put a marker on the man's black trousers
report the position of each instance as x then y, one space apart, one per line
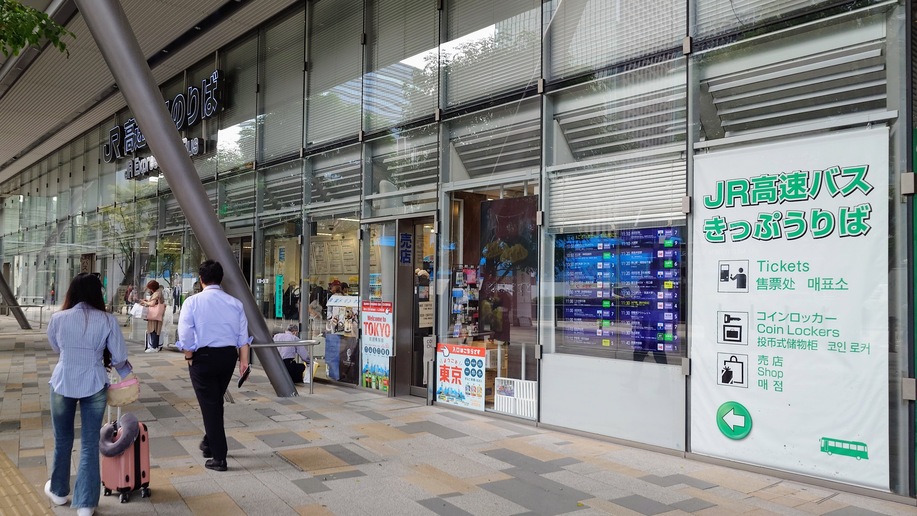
211 370
295 369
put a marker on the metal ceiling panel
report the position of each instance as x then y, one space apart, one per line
56 89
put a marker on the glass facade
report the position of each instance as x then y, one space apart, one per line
531 199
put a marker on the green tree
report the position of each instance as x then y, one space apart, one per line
121 226
168 259
22 26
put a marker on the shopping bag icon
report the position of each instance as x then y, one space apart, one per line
733 372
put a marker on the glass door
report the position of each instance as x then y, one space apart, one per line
242 250
493 243
424 340
397 311
377 316
334 264
281 299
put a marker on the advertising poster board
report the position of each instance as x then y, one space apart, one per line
318 255
424 313
349 257
336 256
790 308
378 343
342 350
460 375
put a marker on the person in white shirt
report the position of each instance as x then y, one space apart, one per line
213 333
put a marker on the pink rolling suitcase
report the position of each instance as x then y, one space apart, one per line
129 471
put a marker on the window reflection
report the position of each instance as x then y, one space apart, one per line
237 133
400 81
335 67
405 162
492 47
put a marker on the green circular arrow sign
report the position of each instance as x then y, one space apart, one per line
733 420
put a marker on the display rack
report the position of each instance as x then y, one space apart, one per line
463 321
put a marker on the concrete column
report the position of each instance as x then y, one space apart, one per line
115 38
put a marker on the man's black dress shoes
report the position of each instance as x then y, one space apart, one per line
216 465
206 449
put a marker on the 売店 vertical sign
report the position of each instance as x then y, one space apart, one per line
405 249
790 306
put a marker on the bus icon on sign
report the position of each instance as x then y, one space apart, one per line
853 449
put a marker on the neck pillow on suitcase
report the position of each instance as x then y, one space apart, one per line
112 445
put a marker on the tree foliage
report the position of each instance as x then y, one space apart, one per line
121 227
22 26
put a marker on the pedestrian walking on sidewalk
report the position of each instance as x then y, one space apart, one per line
90 342
176 298
213 333
154 319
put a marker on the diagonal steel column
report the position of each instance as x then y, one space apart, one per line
115 38
10 300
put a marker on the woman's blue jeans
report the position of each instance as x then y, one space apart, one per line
88 479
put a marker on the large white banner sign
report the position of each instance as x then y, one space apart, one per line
789 324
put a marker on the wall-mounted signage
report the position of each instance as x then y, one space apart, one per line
199 104
141 167
405 248
278 296
186 109
789 354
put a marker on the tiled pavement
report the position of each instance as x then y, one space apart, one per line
347 451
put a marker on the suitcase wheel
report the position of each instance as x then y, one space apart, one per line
145 492
125 497
107 492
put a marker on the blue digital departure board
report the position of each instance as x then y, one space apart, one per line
621 289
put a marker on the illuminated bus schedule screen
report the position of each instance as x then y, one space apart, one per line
620 289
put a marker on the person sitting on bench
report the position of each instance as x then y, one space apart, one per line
288 353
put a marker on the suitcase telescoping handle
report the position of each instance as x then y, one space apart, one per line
114 379
117 419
